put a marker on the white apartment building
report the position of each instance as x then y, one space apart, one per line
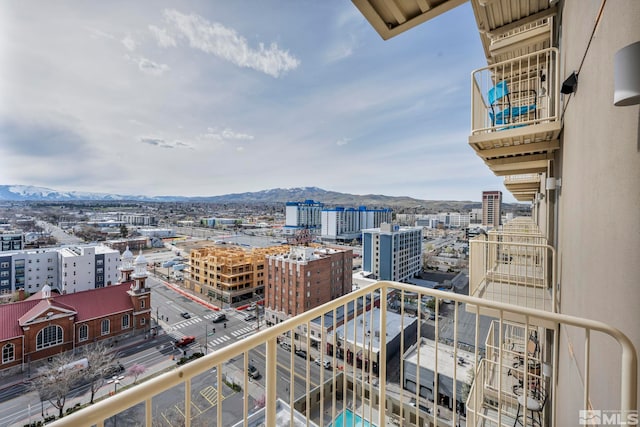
136 219
29 270
157 232
87 267
68 269
347 223
392 252
301 215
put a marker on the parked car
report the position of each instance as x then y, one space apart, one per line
186 315
219 317
253 372
185 341
301 353
285 345
323 362
113 370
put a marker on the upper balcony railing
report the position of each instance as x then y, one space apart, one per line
514 267
515 112
378 351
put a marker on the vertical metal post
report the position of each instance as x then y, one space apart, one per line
187 402
382 360
270 382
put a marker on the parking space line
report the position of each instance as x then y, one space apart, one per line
200 411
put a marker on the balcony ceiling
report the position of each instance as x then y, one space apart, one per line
532 163
392 17
496 18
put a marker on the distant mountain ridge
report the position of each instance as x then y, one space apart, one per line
17 193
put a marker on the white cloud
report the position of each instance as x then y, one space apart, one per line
343 141
148 66
163 38
227 134
95 33
225 43
129 43
162 143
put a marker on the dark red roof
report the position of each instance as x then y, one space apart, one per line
94 303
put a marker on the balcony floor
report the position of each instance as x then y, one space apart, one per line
523 296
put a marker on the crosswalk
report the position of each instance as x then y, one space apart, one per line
187 322
243 332
219 340
215 339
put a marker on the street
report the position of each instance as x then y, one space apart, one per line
157 353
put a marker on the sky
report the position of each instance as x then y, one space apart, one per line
206 98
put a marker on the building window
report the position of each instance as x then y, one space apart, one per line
4 265
143 321
141 303
49 336
83 333
8 353
125 321
104 327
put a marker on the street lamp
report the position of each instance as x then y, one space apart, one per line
115 380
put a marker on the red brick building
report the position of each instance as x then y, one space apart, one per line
47 323
305 278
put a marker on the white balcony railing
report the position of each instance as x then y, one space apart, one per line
501 376
520 92
363 336
514 268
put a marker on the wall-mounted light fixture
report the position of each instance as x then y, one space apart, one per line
570 84
627 76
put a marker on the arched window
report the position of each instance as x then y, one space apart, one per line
125 321
8 353
105 327
49 336
83 333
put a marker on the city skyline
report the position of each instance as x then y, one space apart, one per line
205 99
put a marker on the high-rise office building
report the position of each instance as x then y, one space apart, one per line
302 215
346 224
491 208
392 252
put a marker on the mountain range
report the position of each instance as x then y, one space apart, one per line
17 193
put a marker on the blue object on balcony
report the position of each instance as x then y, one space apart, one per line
348 418
502 112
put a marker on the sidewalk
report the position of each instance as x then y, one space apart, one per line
9 381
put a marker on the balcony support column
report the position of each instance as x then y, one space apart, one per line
382 360
270 383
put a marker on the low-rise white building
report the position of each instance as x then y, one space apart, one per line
452 363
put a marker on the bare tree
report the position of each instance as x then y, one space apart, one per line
57 379
101 363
